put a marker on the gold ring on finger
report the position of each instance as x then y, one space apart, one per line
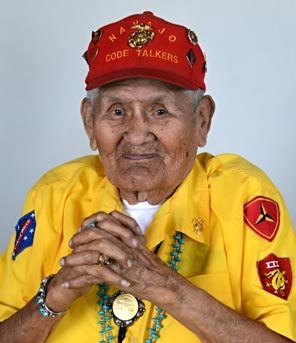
103 260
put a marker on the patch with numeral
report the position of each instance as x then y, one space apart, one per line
263 216
276 275
25 231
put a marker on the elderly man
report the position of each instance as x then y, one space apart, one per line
171 247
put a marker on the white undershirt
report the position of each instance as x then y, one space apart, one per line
142 212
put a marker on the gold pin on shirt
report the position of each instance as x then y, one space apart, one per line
198 225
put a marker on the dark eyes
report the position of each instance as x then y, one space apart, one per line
157 111
118 112
161 111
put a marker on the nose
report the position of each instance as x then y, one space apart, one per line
138 129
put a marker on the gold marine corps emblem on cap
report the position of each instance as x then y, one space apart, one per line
141 37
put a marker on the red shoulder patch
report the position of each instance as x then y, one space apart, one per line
276 275
263 216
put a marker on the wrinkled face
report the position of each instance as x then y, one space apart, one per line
146 134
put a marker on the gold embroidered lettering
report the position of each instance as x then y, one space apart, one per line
112 37
164 55
121 30
116 55
158 53
172 38
161 31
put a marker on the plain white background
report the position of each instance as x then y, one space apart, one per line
251 53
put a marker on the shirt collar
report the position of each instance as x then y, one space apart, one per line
187 210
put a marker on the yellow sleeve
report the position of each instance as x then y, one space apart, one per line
60 200
269 243
260 243
20 277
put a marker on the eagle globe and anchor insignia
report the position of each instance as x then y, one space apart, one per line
141 37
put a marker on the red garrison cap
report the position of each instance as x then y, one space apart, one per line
145 46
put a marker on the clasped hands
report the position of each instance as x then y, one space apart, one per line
134 268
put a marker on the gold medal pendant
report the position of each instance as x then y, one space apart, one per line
126 308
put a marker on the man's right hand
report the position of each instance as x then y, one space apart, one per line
88 244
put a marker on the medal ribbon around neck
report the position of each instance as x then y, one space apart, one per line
125 309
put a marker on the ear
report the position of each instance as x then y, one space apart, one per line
88 121
204 114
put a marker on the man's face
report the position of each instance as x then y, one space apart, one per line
146 134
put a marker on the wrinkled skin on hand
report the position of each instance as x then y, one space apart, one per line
134 269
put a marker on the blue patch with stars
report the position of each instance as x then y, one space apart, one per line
25 230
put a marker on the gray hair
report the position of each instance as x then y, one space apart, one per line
194 95
92 96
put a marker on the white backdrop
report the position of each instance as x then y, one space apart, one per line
251 53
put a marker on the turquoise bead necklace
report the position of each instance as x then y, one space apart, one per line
104 314
104 308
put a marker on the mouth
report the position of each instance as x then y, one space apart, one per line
139 157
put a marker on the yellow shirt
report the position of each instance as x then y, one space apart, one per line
220 258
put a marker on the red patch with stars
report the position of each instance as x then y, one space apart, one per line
263 216
276 275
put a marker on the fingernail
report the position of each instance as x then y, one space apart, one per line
79 229
125 283
66 285
70 243
129 263
139 229
134 242
62 261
